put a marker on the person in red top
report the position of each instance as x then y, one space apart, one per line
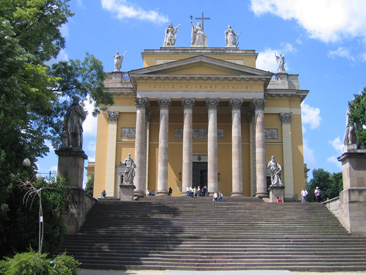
279 199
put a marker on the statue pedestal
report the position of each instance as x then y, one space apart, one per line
353 197
71 165
126 192
276 191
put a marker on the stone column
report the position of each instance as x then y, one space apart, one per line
212 165
163 146
260 149
110 173
187 145
140 146
237 167
288 172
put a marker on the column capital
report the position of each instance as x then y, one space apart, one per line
188 102
235 103
212 103
286 117
141 102
113 116
259 104
164 103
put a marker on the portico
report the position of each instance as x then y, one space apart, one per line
209 105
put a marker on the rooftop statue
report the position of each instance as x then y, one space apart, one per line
198 37
118 62
281 63
170 35
275 170
231 38
73 125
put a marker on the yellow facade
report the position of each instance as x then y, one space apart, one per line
200 74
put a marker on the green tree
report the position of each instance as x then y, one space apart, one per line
33 96
89 188
357 115
330 184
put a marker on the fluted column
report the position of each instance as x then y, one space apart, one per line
164 104
260 148
140 146
237 167
187 144
212 165
288 174
111 154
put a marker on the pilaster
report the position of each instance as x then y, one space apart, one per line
288 171
111 154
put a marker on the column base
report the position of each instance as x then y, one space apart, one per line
161 193
139 193
261 195
237 194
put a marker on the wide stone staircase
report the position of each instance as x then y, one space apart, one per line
198 234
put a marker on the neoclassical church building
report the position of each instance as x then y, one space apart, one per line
201 116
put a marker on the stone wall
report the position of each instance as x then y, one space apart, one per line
334 206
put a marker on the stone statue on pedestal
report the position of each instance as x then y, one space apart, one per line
118 59
231 37
275 170
72 134
281 63
350 137
129 173
170 35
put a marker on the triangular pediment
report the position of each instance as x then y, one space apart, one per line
199 66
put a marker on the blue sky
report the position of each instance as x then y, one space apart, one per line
322 41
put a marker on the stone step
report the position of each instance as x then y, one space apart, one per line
197 234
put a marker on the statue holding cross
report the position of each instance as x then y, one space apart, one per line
198 37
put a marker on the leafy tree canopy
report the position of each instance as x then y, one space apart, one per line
357 109
33 96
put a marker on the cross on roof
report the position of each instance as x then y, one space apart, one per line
203 18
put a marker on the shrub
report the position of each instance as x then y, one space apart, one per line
38 264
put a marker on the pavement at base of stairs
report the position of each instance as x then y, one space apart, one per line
189 272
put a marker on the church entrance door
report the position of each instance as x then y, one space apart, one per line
199 174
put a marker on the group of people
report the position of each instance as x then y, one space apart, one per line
197 192
218 196
317 193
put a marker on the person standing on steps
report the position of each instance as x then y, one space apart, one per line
318 194
304 195
221 196
215 197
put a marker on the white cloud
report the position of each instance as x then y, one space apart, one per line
91 122
309 157
48 143
122 9
326 20
267 60
91 159
337 144
310 116
334 160
91 146
342 52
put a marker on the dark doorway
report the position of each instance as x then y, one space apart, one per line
199 174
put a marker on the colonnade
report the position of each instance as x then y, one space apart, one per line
212 104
